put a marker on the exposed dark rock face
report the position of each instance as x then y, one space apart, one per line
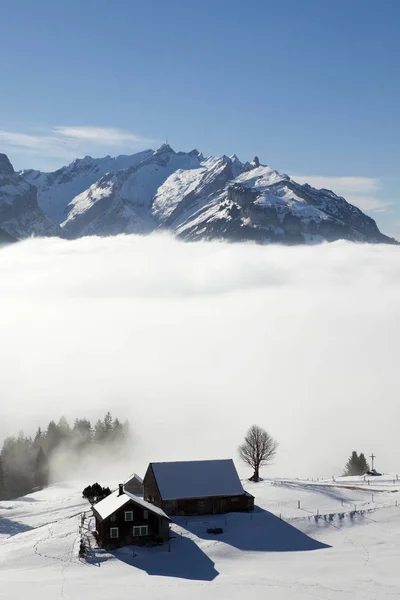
20 216
6 238
6 167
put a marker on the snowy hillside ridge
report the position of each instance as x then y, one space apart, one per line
121 202
20 216
195 198
57 189
304 540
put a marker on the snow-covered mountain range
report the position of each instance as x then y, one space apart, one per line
20 215
192 196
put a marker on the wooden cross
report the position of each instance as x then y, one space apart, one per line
372 458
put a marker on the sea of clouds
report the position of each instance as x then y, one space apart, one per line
195 342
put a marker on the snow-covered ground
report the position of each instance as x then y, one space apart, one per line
343 542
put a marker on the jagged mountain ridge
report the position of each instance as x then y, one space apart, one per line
58 188
121 202
20 215
195 198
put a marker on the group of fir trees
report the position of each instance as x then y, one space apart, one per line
95 493
356 465
25 461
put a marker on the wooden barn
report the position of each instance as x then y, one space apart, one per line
123 518
196 487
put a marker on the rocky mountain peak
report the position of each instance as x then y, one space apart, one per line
6 167
164 149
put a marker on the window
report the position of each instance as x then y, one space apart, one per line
145 514
129 515
113 518
114 532
140 531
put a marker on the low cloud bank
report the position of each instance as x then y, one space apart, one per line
195 342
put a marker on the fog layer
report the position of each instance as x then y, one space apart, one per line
195 342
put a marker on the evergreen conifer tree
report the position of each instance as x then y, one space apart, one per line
363 465
37 440
41 469
356 465
2 482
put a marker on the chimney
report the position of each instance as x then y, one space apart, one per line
121 489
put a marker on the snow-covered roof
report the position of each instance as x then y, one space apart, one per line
197 479
133 476
114 501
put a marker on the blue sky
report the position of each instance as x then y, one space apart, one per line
310 86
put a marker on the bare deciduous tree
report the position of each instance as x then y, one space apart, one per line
257 450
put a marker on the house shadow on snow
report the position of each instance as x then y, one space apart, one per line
185 560
9 527
259 531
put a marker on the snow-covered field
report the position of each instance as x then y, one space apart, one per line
350 550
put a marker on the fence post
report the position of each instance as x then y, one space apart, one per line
372 497
298 504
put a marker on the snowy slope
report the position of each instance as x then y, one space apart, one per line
186 192
264 205
57 189
121 202
342 553
195 198
20 216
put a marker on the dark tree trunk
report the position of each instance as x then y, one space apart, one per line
256 474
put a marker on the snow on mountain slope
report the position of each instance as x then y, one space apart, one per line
264 205
195 198
121 202
341 554
100 210
57 189
20 216
192 188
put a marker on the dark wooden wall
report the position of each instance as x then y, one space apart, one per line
151 493
209 506
158 526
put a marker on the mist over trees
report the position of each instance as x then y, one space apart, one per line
356 465
25 462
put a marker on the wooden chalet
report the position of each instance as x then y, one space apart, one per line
196 487
123 519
